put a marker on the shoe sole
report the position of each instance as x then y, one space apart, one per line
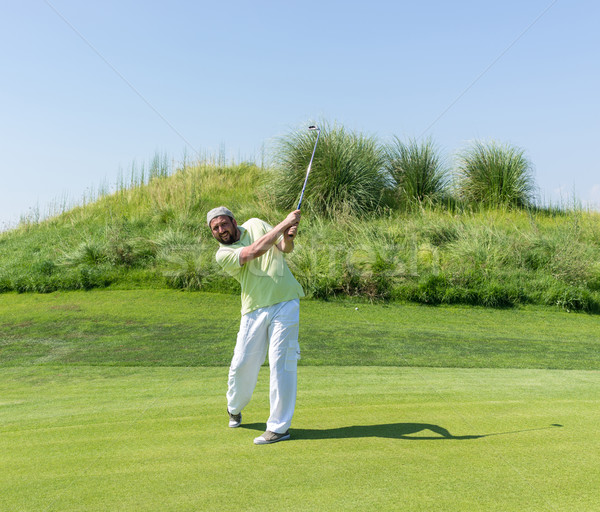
261 440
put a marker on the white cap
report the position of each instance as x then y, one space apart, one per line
217 212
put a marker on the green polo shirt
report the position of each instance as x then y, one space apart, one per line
265 280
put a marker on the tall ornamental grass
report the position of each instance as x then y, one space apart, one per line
418 171
491 174
347 172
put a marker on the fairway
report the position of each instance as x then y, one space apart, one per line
115 400
93 438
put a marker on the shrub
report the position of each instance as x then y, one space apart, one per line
93 277
125 249
90 252
171 240
45 267
195 268
491 175
347 173
571 298
441 234
483 249
538 253
417 170
319 268
6 284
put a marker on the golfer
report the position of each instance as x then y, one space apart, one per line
253 254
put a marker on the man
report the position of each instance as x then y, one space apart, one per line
253 253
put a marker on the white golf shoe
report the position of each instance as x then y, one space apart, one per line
272 437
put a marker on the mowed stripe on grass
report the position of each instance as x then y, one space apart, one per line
418 439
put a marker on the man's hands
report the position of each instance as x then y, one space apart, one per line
293 219
291 229
292 232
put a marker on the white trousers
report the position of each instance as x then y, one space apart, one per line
274 328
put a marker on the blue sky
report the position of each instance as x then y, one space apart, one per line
91 87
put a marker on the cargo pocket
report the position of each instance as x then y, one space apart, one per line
291 358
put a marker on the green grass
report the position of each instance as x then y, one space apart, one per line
416 439
170 328
154 235
115 400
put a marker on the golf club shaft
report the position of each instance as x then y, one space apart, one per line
309 165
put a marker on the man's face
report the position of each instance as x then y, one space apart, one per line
224 229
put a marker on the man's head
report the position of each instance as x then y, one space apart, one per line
223 225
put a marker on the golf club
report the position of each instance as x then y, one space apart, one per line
313 127
310 164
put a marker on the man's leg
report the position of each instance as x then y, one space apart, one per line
249 354
284 352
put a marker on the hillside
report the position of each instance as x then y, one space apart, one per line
151 233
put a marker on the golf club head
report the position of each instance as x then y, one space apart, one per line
313 127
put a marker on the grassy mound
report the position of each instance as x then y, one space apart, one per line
153 234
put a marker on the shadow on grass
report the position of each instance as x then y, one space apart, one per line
406 431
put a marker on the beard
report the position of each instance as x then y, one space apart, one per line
227 238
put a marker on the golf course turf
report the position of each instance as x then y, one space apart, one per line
114 400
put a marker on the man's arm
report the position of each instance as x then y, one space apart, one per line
265 242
